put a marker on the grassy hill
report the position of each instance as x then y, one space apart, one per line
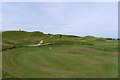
69 57
17 38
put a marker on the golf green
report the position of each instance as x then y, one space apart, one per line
59 61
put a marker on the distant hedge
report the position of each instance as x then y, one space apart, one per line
101 39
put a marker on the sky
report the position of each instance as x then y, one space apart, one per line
98 19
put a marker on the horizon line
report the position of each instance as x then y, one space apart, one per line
57 33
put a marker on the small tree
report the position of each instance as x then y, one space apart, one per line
60 36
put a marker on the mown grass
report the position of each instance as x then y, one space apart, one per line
69 57
61 61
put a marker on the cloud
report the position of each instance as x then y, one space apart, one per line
81 18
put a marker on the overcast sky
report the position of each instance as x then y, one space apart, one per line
76 18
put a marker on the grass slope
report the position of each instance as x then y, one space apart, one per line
70 57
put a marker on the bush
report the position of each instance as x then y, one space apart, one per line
109 38
73 36
100 39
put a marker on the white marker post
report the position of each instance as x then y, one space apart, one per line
50 48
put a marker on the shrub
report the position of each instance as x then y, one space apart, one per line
100 39
109 38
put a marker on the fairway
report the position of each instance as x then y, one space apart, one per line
62 61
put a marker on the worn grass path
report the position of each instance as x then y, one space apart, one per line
60 62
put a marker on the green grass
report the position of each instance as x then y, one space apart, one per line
70 57
61 61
